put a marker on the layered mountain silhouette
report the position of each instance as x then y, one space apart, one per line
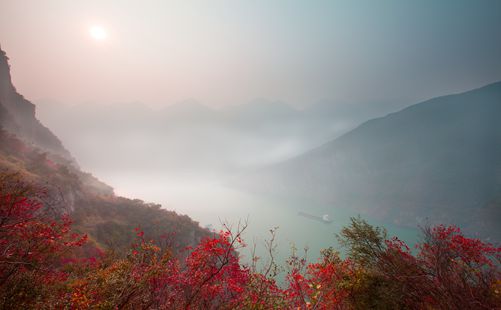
191 137
436 161
439 159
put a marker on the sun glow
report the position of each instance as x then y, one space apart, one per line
98 33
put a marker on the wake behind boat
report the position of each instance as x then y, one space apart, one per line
324 218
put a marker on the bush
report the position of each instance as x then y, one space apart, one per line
42 265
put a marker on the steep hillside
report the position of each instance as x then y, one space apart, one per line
18 115
33 152
440 159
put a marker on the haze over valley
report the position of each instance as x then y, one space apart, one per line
435 161
302 117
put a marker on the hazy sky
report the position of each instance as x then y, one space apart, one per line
227 52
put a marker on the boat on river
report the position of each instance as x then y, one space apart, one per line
321 218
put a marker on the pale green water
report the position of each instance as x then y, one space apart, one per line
212 203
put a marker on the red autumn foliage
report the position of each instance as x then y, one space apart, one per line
32 241
39 269
461 271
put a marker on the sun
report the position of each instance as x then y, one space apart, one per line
98 33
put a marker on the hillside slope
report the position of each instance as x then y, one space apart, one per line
439 159
29 149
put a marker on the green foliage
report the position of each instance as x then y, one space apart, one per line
364 242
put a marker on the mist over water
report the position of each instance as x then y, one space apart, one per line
265 161
188 157
250 154
212 203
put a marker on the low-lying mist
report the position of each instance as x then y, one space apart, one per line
186 157
190 138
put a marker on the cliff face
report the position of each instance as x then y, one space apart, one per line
17 115
32 151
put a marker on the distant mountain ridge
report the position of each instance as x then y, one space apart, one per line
439 159
189 137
